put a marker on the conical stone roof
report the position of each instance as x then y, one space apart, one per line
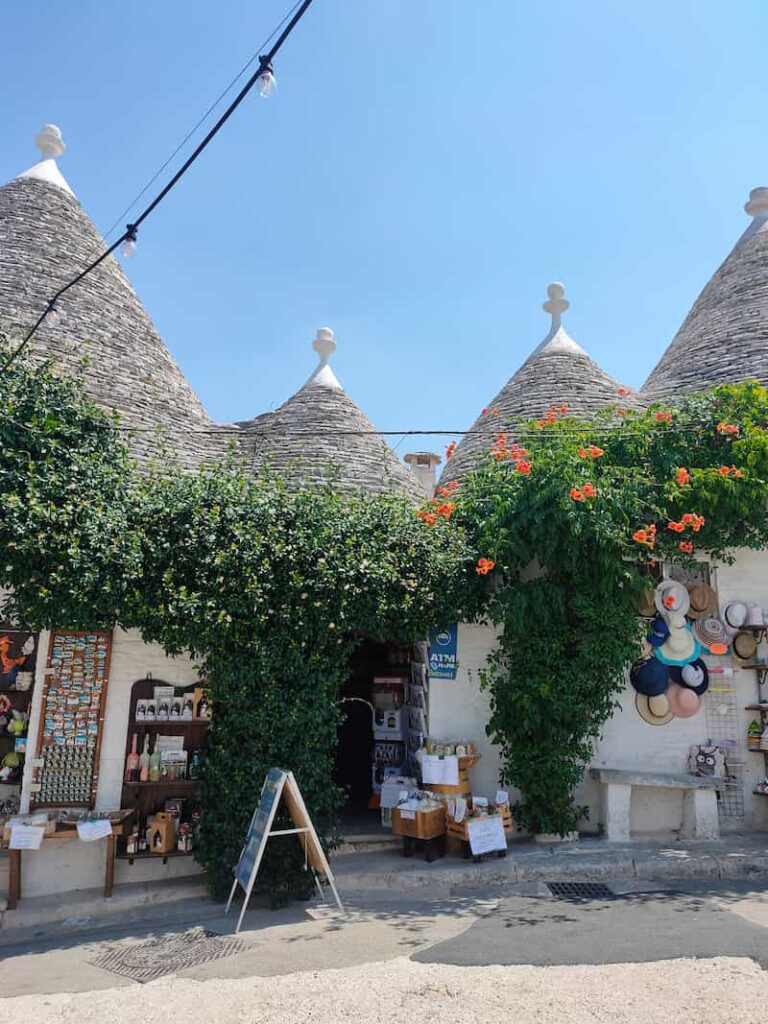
724 338
321 433
46 238
557 372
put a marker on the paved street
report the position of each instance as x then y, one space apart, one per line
695 951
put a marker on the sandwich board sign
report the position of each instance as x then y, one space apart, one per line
278 784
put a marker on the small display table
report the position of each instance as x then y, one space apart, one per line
69 831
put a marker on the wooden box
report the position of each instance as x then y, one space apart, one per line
162 833
423 824
458 829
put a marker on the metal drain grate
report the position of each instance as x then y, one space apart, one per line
575 891
146 961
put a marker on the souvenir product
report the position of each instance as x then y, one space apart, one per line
646 605
735 615
707 760
144 761
744 646
680 647
756 616
754 732
186 708
712 634
703 601
653 710
658 633
649 677
132 762
683 703
694 676
176 705
163 705
671 596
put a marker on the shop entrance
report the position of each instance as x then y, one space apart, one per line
379 675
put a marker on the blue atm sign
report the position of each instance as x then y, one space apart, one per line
443 650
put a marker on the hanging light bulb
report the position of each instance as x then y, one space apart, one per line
128 247
267 83
52 315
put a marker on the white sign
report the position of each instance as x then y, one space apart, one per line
407 815
486 835
90 831
440 770
25 837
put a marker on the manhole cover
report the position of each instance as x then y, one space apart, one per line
580 891
168 954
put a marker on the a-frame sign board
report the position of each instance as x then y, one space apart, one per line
279 783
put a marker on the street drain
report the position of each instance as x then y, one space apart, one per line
576 891
168 954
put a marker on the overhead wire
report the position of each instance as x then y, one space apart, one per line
265 65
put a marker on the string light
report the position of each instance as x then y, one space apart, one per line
267 82
52 315
264 69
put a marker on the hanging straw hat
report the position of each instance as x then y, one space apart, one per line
703 601
683 703
735 615
646 605
671 596
680 648
744 646
653 710
712 634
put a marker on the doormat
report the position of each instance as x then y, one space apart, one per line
577 891
168 954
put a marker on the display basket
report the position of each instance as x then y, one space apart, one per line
423 824
458 829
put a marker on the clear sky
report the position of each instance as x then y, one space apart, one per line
425 168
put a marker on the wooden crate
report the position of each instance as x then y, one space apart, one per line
458 829
424 824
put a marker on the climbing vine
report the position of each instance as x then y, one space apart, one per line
571 517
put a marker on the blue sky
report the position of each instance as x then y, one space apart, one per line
425 168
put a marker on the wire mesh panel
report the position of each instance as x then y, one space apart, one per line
723 730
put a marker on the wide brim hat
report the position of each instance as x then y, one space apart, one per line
703 600
711 633
680 648
646 604
649 677
653 710
683 702
671 596
693 676
735 615
744 646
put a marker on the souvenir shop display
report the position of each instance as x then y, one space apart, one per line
165 750
18 652
462 817
66 768
420 818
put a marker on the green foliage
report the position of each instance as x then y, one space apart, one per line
65 502
569 566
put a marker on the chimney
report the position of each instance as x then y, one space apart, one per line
424 465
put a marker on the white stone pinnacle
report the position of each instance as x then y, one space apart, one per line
325 345
556 304
49 141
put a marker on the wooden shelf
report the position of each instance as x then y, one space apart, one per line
163 782
756 707
148 855
759 792
171 721
756 750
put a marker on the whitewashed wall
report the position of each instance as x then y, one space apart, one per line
64 866
459 709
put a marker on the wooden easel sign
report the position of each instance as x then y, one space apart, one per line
279 783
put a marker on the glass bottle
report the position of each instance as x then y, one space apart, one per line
132 762
154 764
144 761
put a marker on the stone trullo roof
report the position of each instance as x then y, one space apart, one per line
320 432
45 239
557 372
724 338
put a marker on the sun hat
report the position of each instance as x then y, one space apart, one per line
694 676
680 648
735 615
658 632
712 634
653 710
646 605
649 677
744 646
671 596
683 703
703 600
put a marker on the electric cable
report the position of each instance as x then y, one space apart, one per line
129 235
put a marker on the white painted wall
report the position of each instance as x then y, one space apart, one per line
63 866
459 710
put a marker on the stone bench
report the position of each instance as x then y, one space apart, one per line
700 820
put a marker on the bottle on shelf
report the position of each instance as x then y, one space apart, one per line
132 762
144 761
154 764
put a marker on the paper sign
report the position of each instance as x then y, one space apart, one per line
25 837
90 831
443 646
480 801
408 815
486 835
502 797
440 770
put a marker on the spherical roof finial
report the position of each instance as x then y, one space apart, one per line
324 343
757 204
556 304
49 141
